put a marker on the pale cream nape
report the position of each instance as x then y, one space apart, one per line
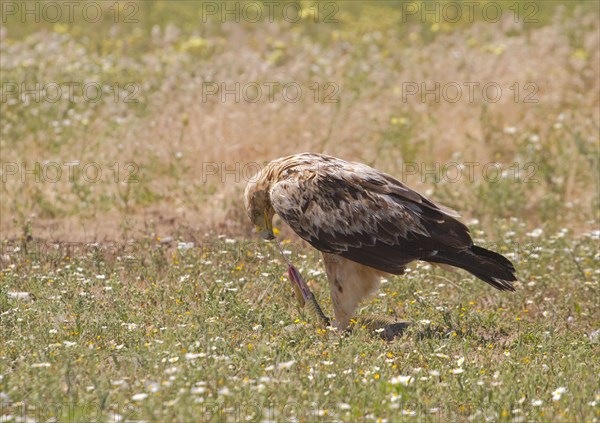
349 284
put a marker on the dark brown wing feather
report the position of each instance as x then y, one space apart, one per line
364 215
367 216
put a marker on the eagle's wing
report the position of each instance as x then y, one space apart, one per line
365 215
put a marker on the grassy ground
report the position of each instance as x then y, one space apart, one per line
143 294
160 331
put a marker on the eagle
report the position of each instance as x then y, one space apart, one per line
366 223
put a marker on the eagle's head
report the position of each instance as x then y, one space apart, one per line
258 203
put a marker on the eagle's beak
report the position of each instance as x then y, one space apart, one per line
267 232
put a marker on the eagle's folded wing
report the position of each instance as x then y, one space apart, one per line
365 215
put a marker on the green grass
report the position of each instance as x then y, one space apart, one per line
201 333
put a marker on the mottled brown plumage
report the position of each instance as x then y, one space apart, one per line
366 223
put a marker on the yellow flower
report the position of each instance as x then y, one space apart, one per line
61 28
580 54
194 45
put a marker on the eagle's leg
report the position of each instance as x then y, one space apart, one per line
349 284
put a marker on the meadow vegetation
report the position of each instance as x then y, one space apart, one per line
143 294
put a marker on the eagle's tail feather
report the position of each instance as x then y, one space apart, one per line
487 265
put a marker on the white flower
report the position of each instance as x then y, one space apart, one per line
536 233
152 386
198 390
224 391
286 364
37 365
171 370
457 371
402 380
460 361
434 373
557 393
394 397
139 397
537 403
184 246
193 356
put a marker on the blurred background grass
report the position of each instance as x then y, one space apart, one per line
166 51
